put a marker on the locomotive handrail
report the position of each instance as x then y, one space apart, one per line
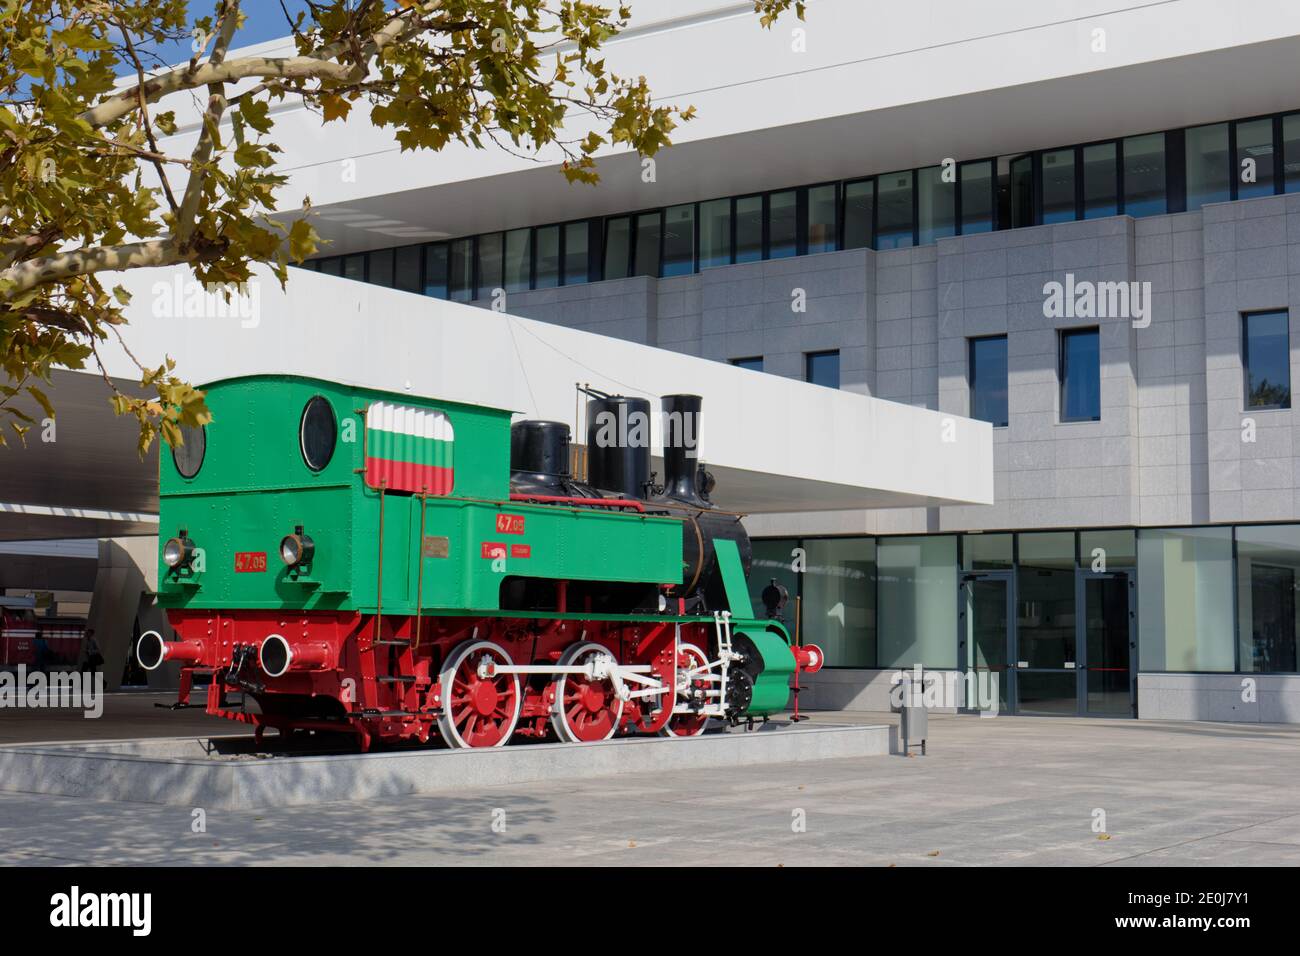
589 502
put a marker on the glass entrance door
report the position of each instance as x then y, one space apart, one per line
986 640
1047 656
1109 644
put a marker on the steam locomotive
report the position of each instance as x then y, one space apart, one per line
403 570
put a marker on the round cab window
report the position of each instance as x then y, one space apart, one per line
188 458
317 433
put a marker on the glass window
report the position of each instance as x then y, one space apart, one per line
577 239
917 600
354 267
754 364
1045 630
548 257
1185 599
1100 181
317 432
518 262
839 600
775 561
1254 170
976 196
988 379
859 204
822 368
679 240
332 266
407 269
1103 550
188 456
783 224
1058 186
1080 375
618 247
1144 175
461 280
1266 358
381 267
647 244
435 270
1268 565
715 233
986 552
936 205
822 227
1047 549
749 229
1291 152
1021 182
894 210
491 256
1208 166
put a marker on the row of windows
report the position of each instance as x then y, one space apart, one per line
1265 355
894 601
1149 174
819 368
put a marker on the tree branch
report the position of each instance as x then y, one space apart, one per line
319 65
79 262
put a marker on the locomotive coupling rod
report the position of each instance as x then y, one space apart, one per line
491 669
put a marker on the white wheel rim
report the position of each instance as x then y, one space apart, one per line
559 719
698 659
450 733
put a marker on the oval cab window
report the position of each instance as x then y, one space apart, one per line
188 458
317 433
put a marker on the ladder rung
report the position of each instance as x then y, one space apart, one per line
396 642
399 679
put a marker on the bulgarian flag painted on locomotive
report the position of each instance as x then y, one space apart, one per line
408 449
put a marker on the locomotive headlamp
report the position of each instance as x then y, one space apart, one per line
178 552
297 548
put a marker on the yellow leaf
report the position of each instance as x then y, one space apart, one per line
334 107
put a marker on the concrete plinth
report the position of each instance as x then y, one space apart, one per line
216 774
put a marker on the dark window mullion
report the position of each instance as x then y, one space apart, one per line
1234 169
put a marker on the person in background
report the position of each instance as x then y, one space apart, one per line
94 659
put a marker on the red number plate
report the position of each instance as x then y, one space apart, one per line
510 524
493 549
250 561
521 551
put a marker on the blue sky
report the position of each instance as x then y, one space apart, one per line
264 21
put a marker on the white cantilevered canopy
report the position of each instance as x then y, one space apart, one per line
774 444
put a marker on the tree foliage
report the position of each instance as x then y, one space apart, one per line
88 185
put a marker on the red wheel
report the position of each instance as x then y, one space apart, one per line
586 709
477 710
691 689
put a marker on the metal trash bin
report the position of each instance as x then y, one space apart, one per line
914 723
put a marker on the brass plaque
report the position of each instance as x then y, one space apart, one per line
436 546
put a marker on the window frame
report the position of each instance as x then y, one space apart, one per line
970 375
823 353
1062 372
1245 360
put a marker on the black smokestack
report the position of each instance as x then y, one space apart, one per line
681 428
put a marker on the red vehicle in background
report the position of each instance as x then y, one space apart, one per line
20 630
17 631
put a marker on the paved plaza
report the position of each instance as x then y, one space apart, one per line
1003 791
